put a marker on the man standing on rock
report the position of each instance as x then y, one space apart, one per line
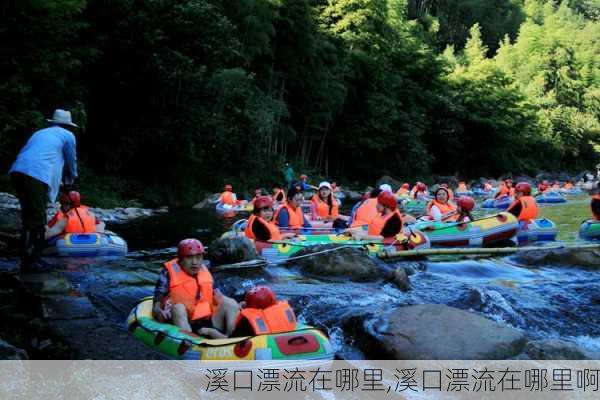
47 159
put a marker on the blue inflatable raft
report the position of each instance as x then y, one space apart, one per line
536 230
86 245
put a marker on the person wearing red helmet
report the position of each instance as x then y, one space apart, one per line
73 217
419 191
260 225
185 296
262 314
228 198
304 185
386 224
440 209
464 206
524 207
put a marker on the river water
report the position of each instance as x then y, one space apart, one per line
544 301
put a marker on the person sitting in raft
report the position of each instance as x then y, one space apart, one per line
462 187
464 206
304 184
186 297
543 186
257 194
505 189
229 198
404 190
440 209
595 203
488 187
260 225
323 205
387 223
568 185
72 217
263 314
524 207
419 191
290 214
365 210
278 193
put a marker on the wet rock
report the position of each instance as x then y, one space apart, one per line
435 331
10 220
10 352
352 263
561 257
67 307
394 183
553 349
401 279
231 250
208 202
352 195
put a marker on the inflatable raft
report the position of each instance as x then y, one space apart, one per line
481 192
501 203
550 198
86 245
220 207
282 249
571 192
536 230
590 230
413 205
305 343
478 233
464 193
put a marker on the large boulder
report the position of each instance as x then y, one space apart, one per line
439 332
334 261
208 202
553 349
10 220
561 257
229 250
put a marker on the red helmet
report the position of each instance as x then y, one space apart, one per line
260 297
465 202
228 187
524 188
263 201
303 176
73 198
189 247
421 187
405 185
388 200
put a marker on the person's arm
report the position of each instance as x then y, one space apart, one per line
436 214
515 209
70 156
161 290
313 211
283 218
56 229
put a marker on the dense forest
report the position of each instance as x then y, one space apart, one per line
178 96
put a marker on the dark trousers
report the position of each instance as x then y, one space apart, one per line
33 196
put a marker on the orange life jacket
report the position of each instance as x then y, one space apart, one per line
277 318
227 198
595 197
445 209
323 208
273 229
296 217
365 212
55 218
80 220
378 223
502 191
529 209
195 293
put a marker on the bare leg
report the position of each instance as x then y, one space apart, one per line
225 316
180 318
